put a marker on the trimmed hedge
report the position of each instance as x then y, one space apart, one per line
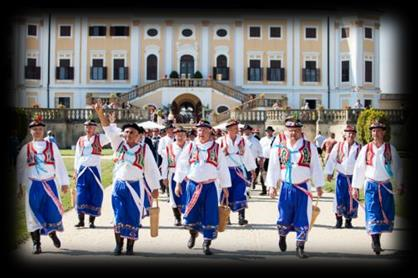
174 74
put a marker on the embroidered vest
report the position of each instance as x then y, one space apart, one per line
212 154
48 153
305 154
340 151
241 146
139 155
370 154
96 147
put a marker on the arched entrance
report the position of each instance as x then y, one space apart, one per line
186 107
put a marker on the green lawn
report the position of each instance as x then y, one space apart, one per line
21 232
69 152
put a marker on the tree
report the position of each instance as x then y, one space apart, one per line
365 119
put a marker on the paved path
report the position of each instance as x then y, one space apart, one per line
255 243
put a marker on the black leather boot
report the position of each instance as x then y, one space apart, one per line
300 253
192 239
206 249
91 221
376 244
130 247
36 239
241 217
282 243
119 245
339 223
348 223
55 239
263 190
177 216
80 220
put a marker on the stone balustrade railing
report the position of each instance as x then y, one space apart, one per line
179 82
81 115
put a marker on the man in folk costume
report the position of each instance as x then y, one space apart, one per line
240 161
201 164
41 170
133 162
164 141
87 173
266 142
295 161
376 164
342 158
168 169
256 150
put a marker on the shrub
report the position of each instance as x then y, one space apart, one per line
174 74
198 75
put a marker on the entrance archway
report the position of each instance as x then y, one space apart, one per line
186 107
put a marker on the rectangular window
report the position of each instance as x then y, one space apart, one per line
97 31
66 101
368 71
32 30
255 72
275 32
119 31
120 72
310 64
367 103
345 33
368 33
255 32
310 73
255 63
97 63
310 33
64 63
65 31
31 62
345 71
275 63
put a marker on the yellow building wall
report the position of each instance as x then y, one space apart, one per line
144 42
195 41
264 44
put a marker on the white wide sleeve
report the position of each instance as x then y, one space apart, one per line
273 170
151 171
104 140
60 170
259 149
77 156
161 146
317 175
113 134
182 164
164 164
359 173
331 162
249 159
223 171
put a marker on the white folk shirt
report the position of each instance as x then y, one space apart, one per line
25 172
129 172
255 146
177 150
265 143
299 173
202 171
234 159
88 159
164 141
376 172
346 167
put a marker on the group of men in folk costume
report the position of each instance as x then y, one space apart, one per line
196 170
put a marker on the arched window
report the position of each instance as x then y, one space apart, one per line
152 63
221 61
187 65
